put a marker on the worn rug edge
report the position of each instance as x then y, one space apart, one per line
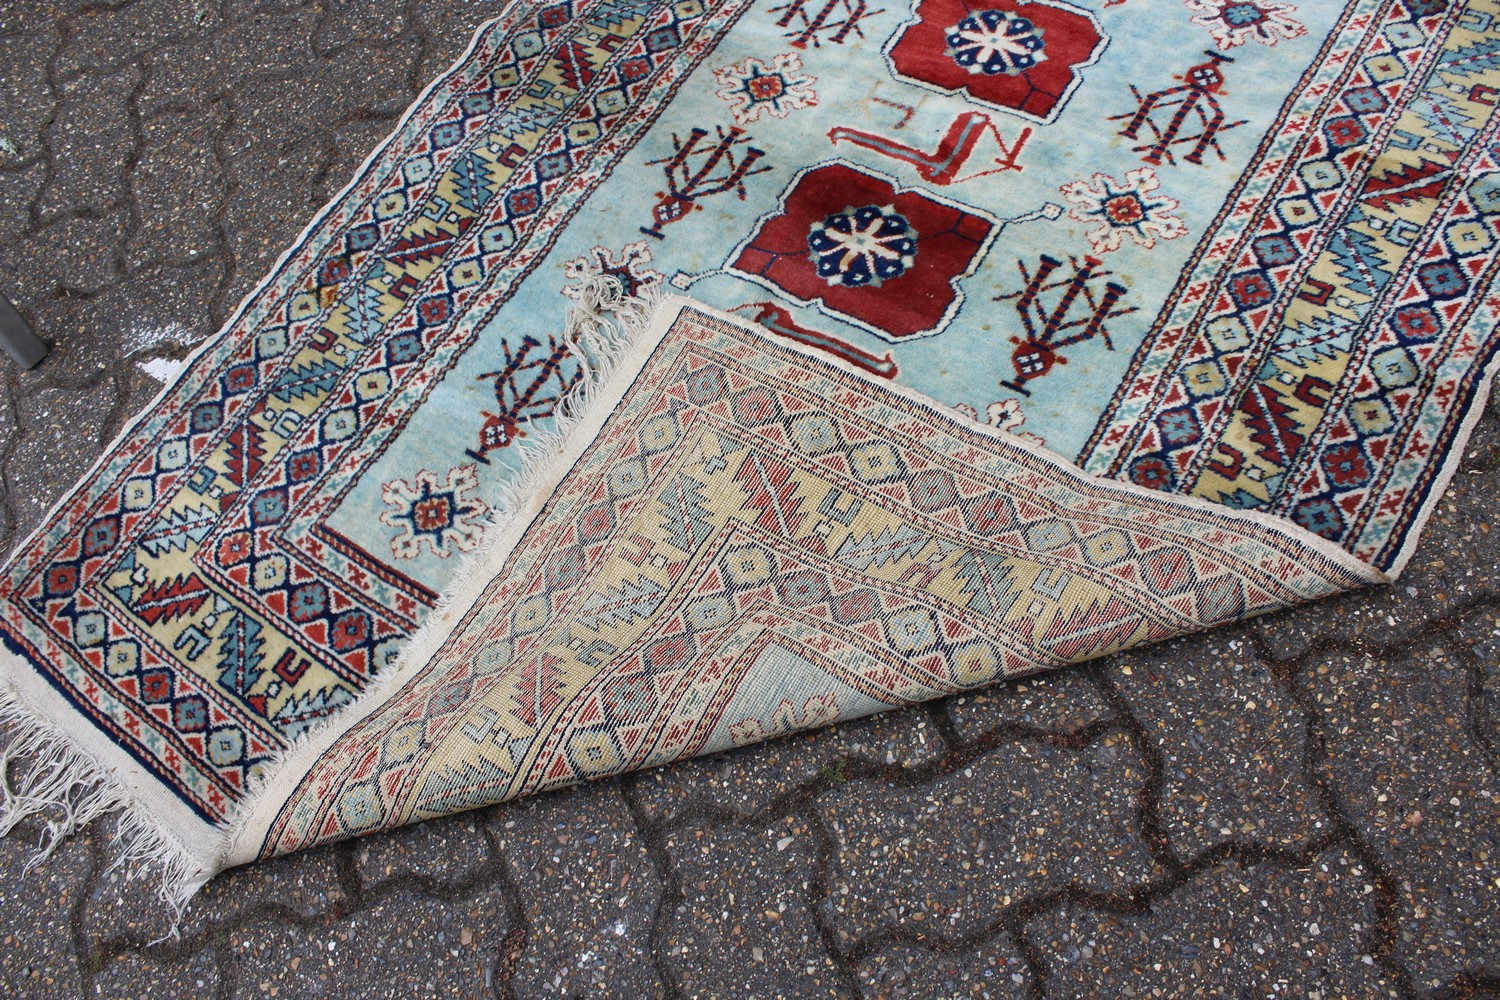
1477 405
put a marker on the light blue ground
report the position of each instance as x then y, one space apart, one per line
963 364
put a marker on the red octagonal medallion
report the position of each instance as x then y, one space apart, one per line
1016 55
865 250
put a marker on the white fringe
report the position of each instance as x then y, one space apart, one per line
66 784
68 787
605 324
65 781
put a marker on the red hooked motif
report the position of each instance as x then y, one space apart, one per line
970 132
780 322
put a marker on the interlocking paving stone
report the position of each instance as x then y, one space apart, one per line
590 890
1062 701
369 21
751 778
350 144
106 38
1424 797
9 439
445 850
742 926
92 143
125 913
36 942
1235 931
401 945
1484 706
171 163
19 186
381 75
27 100
262 46
275 171
167 305
56 425
939 860
133 976
65 256
994 968
1231 740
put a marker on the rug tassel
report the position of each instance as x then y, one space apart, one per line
72 790
604 323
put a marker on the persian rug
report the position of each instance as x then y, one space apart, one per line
683 373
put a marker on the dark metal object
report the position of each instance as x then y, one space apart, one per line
24 347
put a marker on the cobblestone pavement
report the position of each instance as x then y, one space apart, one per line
1303 806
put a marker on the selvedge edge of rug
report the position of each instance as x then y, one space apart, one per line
191 849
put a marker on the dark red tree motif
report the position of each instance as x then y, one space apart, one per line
1166 113
813 22
527 387
1074 315
698 169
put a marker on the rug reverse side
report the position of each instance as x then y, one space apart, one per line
758 540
